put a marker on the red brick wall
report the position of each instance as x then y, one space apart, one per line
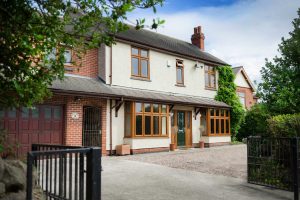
250 101
73 127
87 66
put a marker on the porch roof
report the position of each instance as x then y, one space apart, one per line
75 85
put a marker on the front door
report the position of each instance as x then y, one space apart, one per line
181 128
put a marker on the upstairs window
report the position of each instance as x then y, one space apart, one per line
242 98
140 63
210 77
179 72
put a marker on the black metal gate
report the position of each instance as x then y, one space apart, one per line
91 130
274 162
64 172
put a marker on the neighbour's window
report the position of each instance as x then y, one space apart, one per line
210 77
68 56
219 122
242 98
149 120
140 63
179 72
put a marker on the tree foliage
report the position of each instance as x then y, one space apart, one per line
32 29
280 89
255 122
227 94
287 125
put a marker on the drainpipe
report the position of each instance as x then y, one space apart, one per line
110 127
110 67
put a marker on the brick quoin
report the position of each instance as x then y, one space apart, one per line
72 134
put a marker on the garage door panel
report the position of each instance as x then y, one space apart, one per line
34 125
24 125
2 124
24 138
12 125
34 138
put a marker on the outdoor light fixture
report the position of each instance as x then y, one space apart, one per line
168 63
198 65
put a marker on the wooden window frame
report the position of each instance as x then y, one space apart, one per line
238 93
151 114
210 73
226 117
140 58
182 72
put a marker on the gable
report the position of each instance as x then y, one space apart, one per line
241 81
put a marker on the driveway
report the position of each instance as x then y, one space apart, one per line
124 179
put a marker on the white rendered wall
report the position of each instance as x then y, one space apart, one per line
162 78
216 139
141 143
241 81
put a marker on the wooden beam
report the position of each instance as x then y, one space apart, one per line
171 107
117 106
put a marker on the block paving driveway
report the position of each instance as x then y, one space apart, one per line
217 173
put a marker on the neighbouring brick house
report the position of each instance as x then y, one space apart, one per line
245 88
148 91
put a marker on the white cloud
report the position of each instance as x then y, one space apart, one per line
244 33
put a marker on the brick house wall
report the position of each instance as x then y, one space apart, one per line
72 134
87 66
249 98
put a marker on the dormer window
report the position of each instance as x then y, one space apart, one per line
140 63
210 77
179 72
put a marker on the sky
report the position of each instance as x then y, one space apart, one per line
240 32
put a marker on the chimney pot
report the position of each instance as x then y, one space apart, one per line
198 38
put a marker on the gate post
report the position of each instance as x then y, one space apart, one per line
295 167
29 176
93 176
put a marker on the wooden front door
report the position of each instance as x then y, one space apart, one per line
181 134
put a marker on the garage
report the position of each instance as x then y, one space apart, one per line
25 126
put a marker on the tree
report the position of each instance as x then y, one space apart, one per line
227 94
280 87
32 30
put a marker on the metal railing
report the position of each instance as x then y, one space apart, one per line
64 172
274 162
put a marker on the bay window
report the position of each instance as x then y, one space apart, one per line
218 122
146 120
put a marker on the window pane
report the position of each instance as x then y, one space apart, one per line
179 75
35 113
164 108
203 123
57 113
68 56
217 126
138 123
134 51
212 126
164 125
51 55
47 113
206 68
206 79
144 53
172 119
25 112
212 112
2 112
222 126
212 80
144 68
12 113
217 113
156 125
155 108
147 107
147 125
188 116
127 125
222 112
138 107
135 66
227 126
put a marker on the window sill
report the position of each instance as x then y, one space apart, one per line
213 89
180 85
140 79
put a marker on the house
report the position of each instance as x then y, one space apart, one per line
148 91
245 88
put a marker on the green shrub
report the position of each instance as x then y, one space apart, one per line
255 122
284 125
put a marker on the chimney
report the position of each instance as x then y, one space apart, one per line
198 38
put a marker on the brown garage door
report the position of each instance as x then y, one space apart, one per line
44 124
